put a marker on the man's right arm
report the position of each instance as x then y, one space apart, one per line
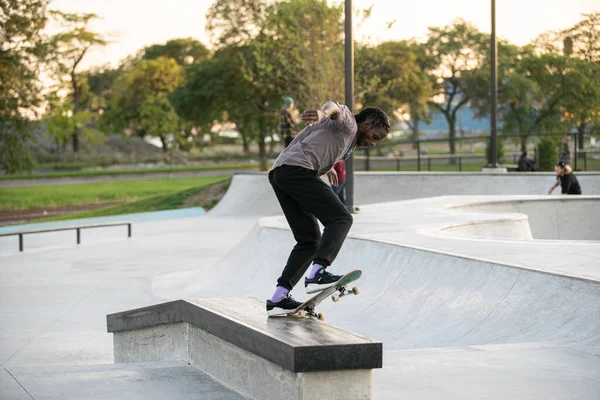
329 110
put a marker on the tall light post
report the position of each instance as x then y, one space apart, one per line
493 156
349 89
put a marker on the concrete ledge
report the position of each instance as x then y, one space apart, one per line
295 345
233 341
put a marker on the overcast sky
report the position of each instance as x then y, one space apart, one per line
133 24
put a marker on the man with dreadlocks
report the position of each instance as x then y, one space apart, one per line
332 133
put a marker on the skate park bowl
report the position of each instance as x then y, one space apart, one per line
250 194
573 218
465 314
469 304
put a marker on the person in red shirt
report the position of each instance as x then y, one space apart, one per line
340 189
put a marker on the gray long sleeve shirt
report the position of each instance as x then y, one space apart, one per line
320 146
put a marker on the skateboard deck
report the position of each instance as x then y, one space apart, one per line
336 291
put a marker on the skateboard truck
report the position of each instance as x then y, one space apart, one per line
344 292
310 312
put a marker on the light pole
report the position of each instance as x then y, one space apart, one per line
493 157
349 89
492 165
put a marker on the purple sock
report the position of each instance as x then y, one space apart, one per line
313 271
280 293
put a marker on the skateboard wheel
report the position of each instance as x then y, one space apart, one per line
321 317
301 314
335 298
355 290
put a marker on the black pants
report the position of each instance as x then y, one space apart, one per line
304 198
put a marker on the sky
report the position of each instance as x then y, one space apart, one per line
132 24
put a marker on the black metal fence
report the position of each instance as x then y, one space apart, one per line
471 153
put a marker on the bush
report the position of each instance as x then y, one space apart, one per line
547 153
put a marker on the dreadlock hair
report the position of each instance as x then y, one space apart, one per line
375 116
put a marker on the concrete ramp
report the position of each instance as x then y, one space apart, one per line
459 317
248 194
551 218
412 298
251 194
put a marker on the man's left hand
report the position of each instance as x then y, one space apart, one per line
333 178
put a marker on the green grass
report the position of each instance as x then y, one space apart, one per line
157 203
73 174
98 192
592 164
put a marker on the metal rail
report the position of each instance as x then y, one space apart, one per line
77 228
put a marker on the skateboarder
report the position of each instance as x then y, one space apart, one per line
332 134
566 179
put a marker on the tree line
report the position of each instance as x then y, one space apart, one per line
262 51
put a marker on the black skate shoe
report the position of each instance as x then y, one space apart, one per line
321 281
283 307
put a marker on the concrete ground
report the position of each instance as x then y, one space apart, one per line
488 313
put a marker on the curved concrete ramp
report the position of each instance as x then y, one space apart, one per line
248 194
251 193
460 317
452 326
412 298
554 218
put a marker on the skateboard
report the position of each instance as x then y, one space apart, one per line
336 291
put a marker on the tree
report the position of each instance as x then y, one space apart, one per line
300 52
212 91
23 51
287 48
100 83
455 51
235 22
185 51
218 90
145 86
579 89
581 103
158 118
391 77
544 78
584 38
60 123
70 47
516 93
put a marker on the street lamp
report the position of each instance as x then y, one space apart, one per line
492 165
349 89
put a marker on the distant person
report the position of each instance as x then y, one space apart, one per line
288 119
340 189
566 179
525 164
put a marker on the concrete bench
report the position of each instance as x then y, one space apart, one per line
232 340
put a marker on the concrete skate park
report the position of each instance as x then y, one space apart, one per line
474 286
